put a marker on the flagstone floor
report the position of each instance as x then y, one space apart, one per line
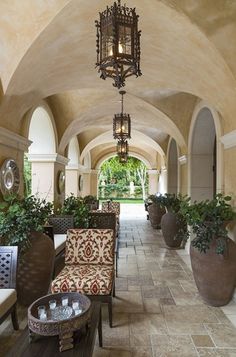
157 311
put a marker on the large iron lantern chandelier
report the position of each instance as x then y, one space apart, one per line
118 44
121 122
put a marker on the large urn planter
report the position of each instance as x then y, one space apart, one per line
170 228
215 274
35 269
155 214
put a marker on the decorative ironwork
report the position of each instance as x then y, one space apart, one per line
121 123
118 44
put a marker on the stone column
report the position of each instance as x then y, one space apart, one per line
94 182
46 169
86 182
153 181
162 184
73 173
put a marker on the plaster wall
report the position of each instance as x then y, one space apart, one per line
43 180
72 179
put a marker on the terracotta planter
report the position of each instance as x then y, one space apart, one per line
155 215
215 274
170 228
35 269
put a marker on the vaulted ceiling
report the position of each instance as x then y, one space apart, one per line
47 51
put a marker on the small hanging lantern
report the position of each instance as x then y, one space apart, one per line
122 147
118 44
123 158
121 123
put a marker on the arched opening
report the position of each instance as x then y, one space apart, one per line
42 152
123 181
72 169
172 170
203 157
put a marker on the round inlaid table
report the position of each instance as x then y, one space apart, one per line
61 320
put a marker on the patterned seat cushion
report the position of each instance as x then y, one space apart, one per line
111 207
90 246
87 279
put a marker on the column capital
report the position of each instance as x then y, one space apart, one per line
153 171
229 140
48 158
183 159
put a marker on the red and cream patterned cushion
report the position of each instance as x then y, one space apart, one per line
90 246
87 279
111 207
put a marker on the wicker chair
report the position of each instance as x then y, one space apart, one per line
106 220
60 226
89 265
8 296
112 206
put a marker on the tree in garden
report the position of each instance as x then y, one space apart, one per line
118 176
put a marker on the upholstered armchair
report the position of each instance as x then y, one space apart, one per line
100 219
112 206
89 265
8 297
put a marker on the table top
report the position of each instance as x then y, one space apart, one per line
48 346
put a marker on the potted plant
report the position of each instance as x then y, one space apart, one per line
91 202
212 252
76 207
173 223
155 210
21 223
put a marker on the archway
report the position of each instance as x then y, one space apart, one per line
42 152
203 157
172 168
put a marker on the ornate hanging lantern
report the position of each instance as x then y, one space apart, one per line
118 44
121 123
122 147
123 158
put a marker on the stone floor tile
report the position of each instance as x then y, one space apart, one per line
128 302
147 324
202 341
141 351
165 345
197 314
152 306
223 335
216 352
141 339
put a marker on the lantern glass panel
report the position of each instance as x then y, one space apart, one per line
107 41
123 158
125 40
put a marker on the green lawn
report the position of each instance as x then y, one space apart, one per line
125 200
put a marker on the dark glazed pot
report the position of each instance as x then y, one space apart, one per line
35 269
155 214
170 228
215 274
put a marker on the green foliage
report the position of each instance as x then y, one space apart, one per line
89 199
155 199
19 217
208 220
118 177
76 207
27 176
